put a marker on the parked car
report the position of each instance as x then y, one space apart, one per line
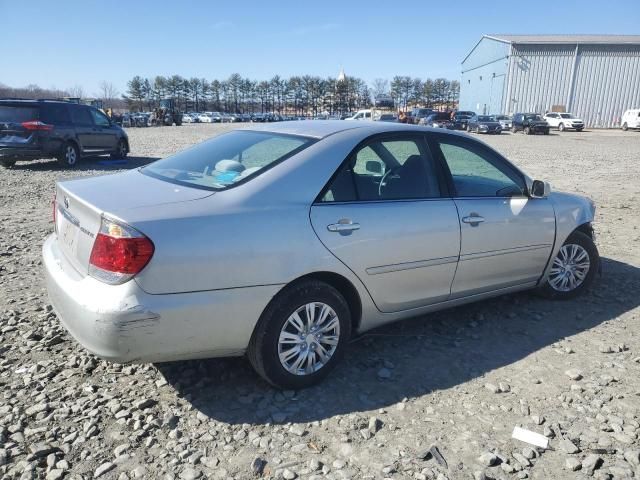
505 122
186 118
259 117
529 123
461 118
417 114
205 118
437 120
386 117
204 254
564 121
630 119
484 124
33 129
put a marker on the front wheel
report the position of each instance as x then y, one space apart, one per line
69 156
301 335
121 150
625 127
573 269
561 127
527 130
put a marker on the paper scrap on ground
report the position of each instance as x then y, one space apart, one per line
530 437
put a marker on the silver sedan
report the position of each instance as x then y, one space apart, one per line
283 241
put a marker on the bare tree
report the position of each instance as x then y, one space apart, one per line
380 86
108 92
76 91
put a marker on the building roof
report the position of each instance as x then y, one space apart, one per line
564 39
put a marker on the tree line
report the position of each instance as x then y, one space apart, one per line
299 95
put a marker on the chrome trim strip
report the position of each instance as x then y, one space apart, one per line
69 217
494 253
410 265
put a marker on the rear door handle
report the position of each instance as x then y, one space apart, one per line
474 219
343 225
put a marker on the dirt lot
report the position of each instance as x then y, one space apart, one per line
460 379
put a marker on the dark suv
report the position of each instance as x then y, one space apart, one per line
529 123
32 129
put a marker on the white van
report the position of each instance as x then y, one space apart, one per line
630 119
362 115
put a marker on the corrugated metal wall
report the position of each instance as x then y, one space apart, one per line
605 82
483 77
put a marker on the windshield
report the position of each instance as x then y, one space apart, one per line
227 159
486 118
503 117
566 115
533 117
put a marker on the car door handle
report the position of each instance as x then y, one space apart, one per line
473 219
343 226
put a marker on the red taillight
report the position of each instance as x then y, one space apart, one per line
37 125
119 252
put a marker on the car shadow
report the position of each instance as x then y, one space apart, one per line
422 355
87 164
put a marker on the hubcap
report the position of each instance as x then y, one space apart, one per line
569 268
71 155
309 338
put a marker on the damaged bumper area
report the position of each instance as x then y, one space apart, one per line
122 323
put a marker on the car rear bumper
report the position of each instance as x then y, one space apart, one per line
123 323
21 153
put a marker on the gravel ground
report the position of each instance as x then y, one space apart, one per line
459 380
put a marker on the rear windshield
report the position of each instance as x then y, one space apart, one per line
228 159
18 114
486 118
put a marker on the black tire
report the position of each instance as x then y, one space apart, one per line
7 163
263 347
69 156
625 127
121 150
561 127
546 132
586 242
527 130
514 130
578 129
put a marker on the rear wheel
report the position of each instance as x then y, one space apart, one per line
121 150
527 130
7 163
573 269
301 335
514 130
69 156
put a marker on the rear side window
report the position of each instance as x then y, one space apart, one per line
55 114
389 169
18 114
80 116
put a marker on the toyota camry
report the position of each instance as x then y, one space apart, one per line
282 241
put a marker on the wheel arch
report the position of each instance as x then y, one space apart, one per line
340 283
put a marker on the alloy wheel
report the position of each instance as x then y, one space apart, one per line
570 268
70 155
309 338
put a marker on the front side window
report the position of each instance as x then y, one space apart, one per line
479 172
385 169
227 159
99 118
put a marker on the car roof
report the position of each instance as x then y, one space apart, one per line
324 128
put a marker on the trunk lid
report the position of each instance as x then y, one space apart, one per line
11 119
81 203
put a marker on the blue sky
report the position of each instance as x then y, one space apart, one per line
73 42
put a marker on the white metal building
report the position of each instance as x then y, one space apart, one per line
596 77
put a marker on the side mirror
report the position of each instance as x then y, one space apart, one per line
540 189
373 166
